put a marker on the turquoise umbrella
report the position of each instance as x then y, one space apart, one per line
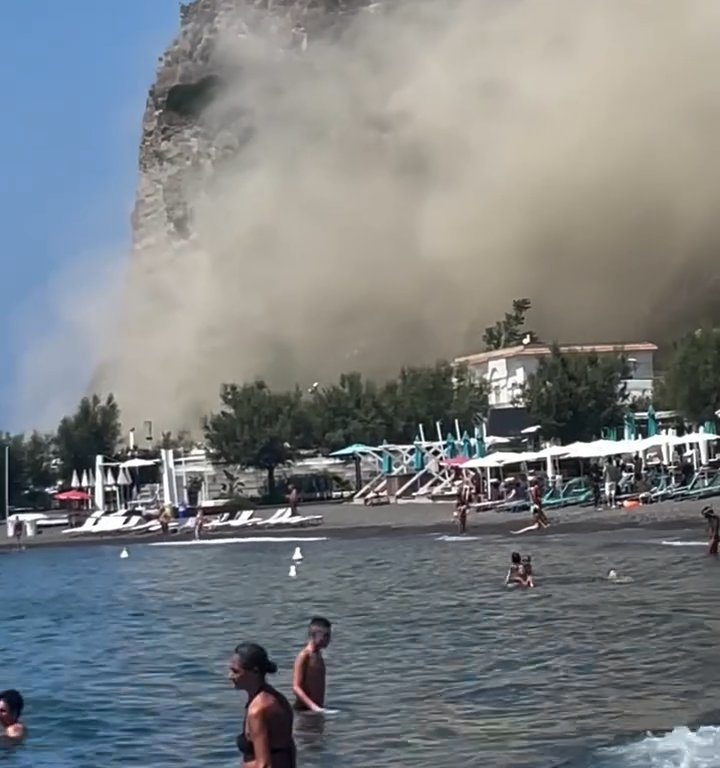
387 462
479 448
418 457
652 429
629 422
450 447
466 448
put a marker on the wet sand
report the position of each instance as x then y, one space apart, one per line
357 521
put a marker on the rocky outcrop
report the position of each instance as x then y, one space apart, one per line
180 147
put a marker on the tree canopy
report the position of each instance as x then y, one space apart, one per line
692 380
572 397
93 429
510 331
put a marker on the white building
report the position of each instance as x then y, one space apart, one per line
507 370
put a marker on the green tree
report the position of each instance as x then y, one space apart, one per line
442 392
572 397
254 428
692 379
510 331
93 429
16 468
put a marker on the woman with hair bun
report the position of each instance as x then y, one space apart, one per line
266 740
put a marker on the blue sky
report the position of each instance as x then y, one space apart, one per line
73 78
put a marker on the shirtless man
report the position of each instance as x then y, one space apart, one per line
309 670
713 524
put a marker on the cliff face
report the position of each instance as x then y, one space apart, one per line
180 146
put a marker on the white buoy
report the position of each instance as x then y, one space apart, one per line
612 575
293 572
297 555
124 553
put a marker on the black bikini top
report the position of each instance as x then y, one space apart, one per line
245 745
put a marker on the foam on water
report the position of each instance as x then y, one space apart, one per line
243 540
457 538
684 543
681 748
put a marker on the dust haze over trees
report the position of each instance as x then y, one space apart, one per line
373 198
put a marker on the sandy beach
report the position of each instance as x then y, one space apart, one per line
356 521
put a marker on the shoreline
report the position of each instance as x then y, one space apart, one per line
349 521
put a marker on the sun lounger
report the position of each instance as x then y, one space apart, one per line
244 519
279 516
89 523
300 521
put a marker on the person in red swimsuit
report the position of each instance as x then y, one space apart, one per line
713 522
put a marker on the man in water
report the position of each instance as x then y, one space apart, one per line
11 707
713 524
461 505
309 670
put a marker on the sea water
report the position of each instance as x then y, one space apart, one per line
433 663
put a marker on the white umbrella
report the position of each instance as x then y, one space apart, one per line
84 479
99 488
75 482
139 463
109 479
123 477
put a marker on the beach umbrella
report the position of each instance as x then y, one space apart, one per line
135 463
629 425
99 487
418 457
479 448
75 482
351 450
466 448
652 429
84 479
123 477
73 495
450 447
109 479
387 462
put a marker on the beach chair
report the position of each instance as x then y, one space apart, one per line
302 521
89 523
244 519
278 517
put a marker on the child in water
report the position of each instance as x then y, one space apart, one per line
713 523
309 670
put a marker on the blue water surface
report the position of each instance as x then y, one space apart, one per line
433 662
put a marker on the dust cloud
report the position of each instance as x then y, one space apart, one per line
404 180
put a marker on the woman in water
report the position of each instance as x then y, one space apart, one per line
517 574
266 740
11 707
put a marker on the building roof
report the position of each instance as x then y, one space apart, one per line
541 350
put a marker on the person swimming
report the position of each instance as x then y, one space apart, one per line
527 565
713 524
517 574
266 738
11 707
309 670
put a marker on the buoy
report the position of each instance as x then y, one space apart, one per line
124 553
297 555
612 575
293 572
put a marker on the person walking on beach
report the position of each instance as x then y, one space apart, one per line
309 670
713 524
293 500
199 523
266 739
611 475
18 532
536 504
11 707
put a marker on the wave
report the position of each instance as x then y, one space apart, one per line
684 543
457 538
243 540
680 748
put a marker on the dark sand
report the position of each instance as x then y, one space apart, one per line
356 521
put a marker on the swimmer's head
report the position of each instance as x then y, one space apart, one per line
249 664
515 558
320 632
11 707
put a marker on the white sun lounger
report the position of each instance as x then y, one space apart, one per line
302 520
89 523
244 519
278 518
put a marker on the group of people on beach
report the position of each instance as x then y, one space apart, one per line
266 739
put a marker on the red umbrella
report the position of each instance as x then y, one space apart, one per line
72 496
456 461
